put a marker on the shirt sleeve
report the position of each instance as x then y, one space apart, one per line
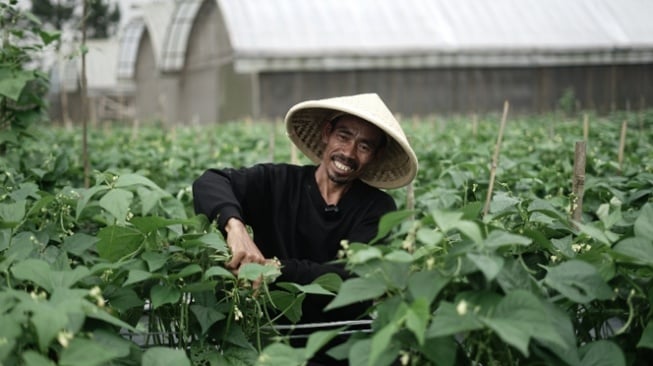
221 194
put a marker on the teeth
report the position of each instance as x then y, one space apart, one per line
342 166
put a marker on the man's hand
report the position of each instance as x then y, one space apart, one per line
243 248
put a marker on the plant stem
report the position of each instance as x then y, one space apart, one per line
495 159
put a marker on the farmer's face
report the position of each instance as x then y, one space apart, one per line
351 144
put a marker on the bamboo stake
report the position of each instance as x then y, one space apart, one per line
84 102
586 127
474 125
622 144
410 197
495 159
578 181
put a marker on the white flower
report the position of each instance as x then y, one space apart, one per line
237 313
64 338
461 308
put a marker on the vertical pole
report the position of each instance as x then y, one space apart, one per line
578 181
84 102
495 159
622 144
586 127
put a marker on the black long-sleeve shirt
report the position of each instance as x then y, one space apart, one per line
288 216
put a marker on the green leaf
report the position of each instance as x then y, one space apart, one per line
519 317
426 285
117 242
161 295
32 358
501 202
312 288
163 356
319 339
441 351
646 340
278 354
117 202
289 303
365 254
215 241
217 271
579 281
498 238
189 270
490 265
417 318
206 316
602 353
254 271
127 180
381 342
637 250
85 197
149 224
596 233
11 214
389 221
329 281
357 289
78 243
49 37
429 236
40 273
644 223
136 276
447 320
12 83
154 260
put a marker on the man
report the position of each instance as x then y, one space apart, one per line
300 214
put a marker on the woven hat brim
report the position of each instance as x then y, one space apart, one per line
398 165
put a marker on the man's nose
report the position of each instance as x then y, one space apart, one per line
349 147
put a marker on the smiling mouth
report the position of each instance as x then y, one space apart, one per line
342 166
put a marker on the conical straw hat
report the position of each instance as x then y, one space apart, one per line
398 164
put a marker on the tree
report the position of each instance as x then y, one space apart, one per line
101 21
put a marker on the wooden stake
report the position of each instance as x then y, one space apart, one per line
495 159
622 144
578 181
410 197
586 127
84 102
474 125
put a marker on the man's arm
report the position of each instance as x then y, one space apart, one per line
215 196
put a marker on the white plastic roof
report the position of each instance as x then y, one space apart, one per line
101 70
153 17
176 42
287 34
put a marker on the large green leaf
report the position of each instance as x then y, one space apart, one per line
163 294
519 317
447 320
32 358
417 318
644 223
636 250
602 353
356 290
489 264
127 180
163 356
646 340
40 273
426 285
12 83
498 238
117 242
579 281
389 221
279 354
319 339
85 197
381 342
117 202
206 316
11 214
